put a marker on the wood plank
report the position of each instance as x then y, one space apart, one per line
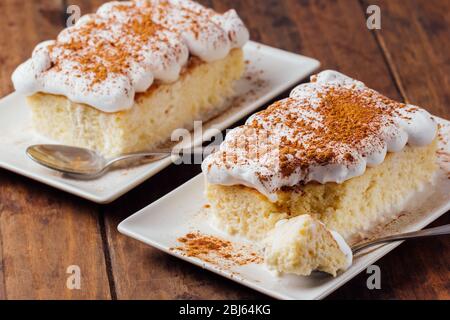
24 24
415 36
42 231
304 27
2 276
336 34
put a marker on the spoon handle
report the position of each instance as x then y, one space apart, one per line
161 154
443 230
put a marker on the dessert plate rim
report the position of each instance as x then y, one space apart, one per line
20 164
140 227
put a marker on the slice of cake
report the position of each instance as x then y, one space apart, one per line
334 149
301 245
123 79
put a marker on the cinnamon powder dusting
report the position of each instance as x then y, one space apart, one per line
342 120
108 45
95 54
216 251
348 118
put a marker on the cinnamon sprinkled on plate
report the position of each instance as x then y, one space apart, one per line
215 250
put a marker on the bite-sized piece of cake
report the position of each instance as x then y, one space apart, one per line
302 244
123 79
336 149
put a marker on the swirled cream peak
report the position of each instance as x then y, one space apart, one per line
328 130
107 57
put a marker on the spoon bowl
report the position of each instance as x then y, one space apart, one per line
66 159
88 164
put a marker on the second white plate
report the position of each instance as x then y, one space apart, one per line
183 211
270 72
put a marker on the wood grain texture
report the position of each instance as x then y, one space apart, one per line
42 231
24 24
415 38
2 276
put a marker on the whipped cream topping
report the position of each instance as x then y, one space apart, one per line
107 57
329 130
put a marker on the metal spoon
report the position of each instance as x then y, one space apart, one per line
443 230
85 163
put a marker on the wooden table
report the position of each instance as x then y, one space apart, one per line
43 230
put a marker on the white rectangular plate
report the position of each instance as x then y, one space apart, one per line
269 72
183 211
